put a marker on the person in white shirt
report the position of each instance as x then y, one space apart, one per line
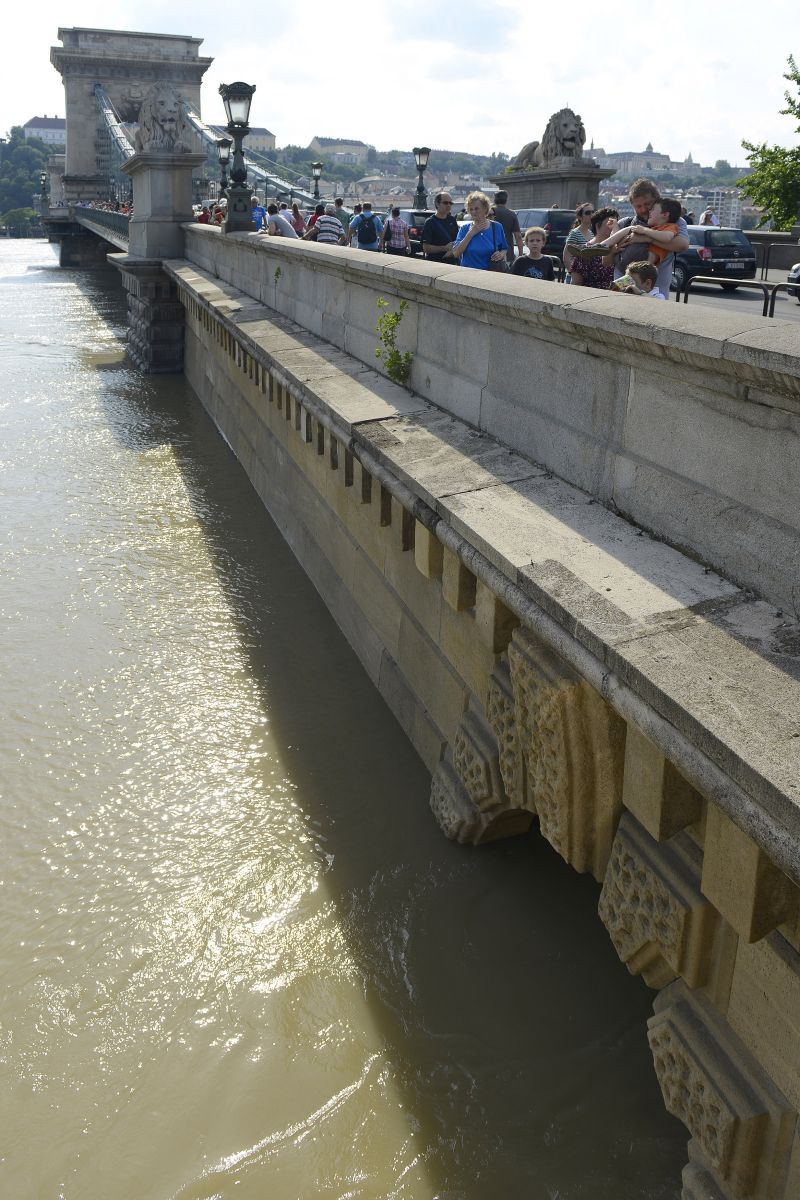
709 217
276 224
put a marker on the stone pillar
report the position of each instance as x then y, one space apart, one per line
162 202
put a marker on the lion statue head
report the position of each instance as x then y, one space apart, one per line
161 121
564 136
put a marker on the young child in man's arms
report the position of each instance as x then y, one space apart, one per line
661 228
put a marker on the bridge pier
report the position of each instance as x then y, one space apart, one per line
162 203
83 250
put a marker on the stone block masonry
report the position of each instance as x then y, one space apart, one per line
550 661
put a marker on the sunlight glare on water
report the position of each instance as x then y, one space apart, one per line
237 957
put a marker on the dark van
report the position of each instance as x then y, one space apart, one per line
715 251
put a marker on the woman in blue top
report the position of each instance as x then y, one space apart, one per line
482 241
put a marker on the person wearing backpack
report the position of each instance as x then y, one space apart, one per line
368 228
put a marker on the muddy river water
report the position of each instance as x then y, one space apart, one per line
237 958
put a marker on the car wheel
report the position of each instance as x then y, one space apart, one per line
729 287
678 278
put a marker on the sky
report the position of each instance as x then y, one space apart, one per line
479 79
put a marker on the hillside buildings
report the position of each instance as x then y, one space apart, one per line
51 130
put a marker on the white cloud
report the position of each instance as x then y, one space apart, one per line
458 77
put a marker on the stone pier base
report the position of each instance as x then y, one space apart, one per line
83 250
155 315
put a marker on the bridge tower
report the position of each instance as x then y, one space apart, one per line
126 64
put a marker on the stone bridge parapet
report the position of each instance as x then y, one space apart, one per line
551 660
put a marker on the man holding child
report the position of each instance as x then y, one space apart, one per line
664 240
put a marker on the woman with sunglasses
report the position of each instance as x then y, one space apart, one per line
579 235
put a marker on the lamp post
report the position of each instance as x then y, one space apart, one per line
421 156
224 157
237 97
316 171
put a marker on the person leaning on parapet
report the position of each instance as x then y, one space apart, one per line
596 270
534 264
315 216
440 231
342 215
257 213
578 236
368 228
510 222
661 229
352 235
643 194
276 224
395 239
640 281
482 241
327 230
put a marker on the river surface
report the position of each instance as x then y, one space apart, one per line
238 960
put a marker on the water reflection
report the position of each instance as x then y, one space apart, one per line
238 959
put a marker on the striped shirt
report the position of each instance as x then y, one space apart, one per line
329 229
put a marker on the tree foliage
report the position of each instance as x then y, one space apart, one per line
774 180
22 161
16 217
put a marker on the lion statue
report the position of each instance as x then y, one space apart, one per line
564 137
162 125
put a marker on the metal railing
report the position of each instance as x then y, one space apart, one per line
282 187
768 290
100 218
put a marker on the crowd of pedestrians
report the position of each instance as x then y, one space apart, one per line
632 255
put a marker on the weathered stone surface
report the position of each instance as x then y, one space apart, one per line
573 744
654 791
764 1009
700 1184
742 1126
651 904
458 818
502 717
746 887
476 762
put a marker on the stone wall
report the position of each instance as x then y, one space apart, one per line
550 662
684 420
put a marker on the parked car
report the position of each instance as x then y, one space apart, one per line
725 253
556 223
416 218
794 277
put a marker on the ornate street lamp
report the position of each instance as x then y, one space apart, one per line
237 97
316 171
43 185
224 157
421 156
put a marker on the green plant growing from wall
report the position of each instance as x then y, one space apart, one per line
396 363
278 273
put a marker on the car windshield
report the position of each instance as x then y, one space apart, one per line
559 221
728 237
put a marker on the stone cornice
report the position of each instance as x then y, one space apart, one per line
81 62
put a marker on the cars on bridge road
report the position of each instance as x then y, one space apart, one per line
713 250
794 277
